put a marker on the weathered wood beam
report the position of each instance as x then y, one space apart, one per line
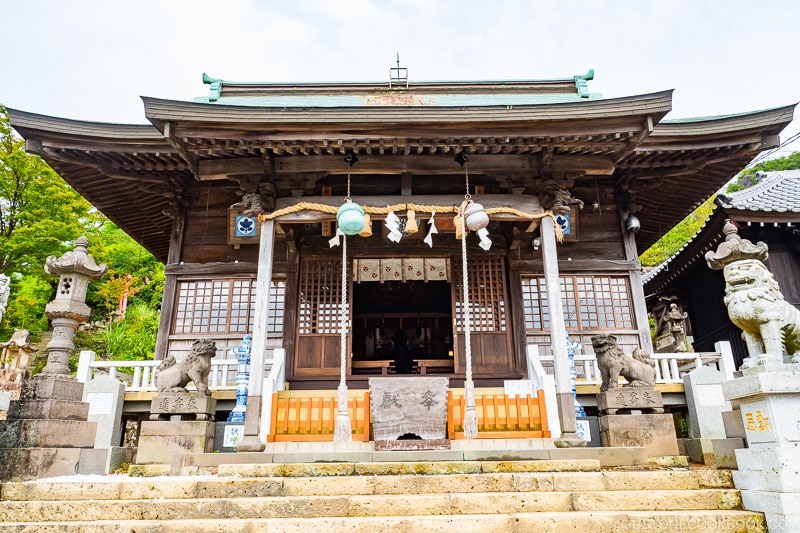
415 164
217 169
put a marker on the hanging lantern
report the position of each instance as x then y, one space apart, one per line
350 218
475 217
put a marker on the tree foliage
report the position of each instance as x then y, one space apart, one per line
674 239
41 215
748 177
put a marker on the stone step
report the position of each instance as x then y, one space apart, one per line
604 522
371 505
128 488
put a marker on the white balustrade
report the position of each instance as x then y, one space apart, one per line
222 375
670 367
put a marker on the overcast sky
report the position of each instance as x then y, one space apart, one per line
92 59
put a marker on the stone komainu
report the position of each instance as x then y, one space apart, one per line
639 370
172 376
756 306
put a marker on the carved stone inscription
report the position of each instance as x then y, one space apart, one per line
409 406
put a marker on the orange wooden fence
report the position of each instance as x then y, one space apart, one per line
500 417
314 418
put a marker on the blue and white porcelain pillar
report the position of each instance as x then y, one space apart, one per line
242 354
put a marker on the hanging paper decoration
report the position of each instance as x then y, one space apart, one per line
350 217
485 241
429 237
334 241
393 225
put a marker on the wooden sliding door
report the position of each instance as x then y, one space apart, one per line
318 319
492 353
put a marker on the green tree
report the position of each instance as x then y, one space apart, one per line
747 177
40 214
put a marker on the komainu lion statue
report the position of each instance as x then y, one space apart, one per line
756 306
173 377
639 370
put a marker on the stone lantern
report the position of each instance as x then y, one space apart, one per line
69 309
47 432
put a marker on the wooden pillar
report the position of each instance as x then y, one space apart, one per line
637 288
252 421
558 340
170 283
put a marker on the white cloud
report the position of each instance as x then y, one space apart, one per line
91 59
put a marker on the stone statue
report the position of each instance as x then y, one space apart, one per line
17 350
676 320
755 303
639 370
5 282
173 377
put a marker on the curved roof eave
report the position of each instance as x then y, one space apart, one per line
159 111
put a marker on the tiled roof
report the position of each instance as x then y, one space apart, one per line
777 192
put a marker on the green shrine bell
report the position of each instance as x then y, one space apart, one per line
350 218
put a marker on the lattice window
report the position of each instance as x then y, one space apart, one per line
589 302
225 306
320 297
487 295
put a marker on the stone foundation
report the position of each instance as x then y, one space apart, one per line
47 433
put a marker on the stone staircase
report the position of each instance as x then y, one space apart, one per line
551 496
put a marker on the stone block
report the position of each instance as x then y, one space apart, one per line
420 455
5 400
705 401
187 405
628 456
771 420
93 461
777 459
21 464
160 441
669 461
629 399
45 387
725 452
49 409
105 397
655 432
734 427
47 434
409 405
782 503
411 445
767 481
759 381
